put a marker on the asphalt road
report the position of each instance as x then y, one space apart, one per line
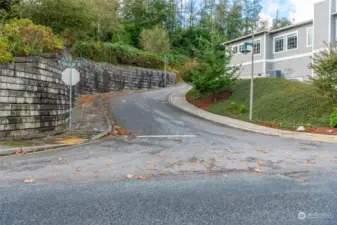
204 174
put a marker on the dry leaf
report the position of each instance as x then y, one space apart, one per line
246 167
152 169
161 155
145 177
129 176
108 164
163 174
147 162
310 162
78 169
28 181
49 177
208 164
81 172
275 161
260 163
196 161
263 150
304 180
242 160
59 158
334 160
258 170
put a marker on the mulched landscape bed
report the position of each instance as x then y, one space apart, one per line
204 103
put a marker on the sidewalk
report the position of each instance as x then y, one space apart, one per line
178 100
89 122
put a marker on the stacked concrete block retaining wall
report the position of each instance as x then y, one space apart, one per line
33 99
98 78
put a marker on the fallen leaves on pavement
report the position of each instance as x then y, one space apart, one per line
196 161
27 181
19 153
263 150
87 99
310 162
144 177
129 176
108 164
208 164
49 177
147 162
334 160
258 170
260 163
152 168
161 155
59 158
303 180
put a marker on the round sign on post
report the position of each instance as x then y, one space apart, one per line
70 76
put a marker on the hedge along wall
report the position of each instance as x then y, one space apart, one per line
106 77
33 99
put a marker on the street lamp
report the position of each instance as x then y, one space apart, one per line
246 51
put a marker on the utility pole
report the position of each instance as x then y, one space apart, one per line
252 79
246 51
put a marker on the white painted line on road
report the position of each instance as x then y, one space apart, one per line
167 136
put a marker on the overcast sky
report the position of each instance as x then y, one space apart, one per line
300 10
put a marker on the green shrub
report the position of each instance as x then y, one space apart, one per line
25 38
5 55
186 71
155 40
118 53
333 119
234 106
324 64
242 109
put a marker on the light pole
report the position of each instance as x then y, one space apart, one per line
246 51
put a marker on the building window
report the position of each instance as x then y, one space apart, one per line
292 41
241 48
235 50
279 44
257 47
309 37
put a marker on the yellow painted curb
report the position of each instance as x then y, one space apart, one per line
71 141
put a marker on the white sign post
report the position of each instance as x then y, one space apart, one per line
70 76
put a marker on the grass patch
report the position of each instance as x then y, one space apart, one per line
17 143
281 102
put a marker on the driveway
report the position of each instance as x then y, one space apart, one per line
194 171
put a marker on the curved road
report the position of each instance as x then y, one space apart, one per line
197 172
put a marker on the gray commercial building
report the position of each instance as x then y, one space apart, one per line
287 51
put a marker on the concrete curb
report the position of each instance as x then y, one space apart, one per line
32 149
178 100
110 125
